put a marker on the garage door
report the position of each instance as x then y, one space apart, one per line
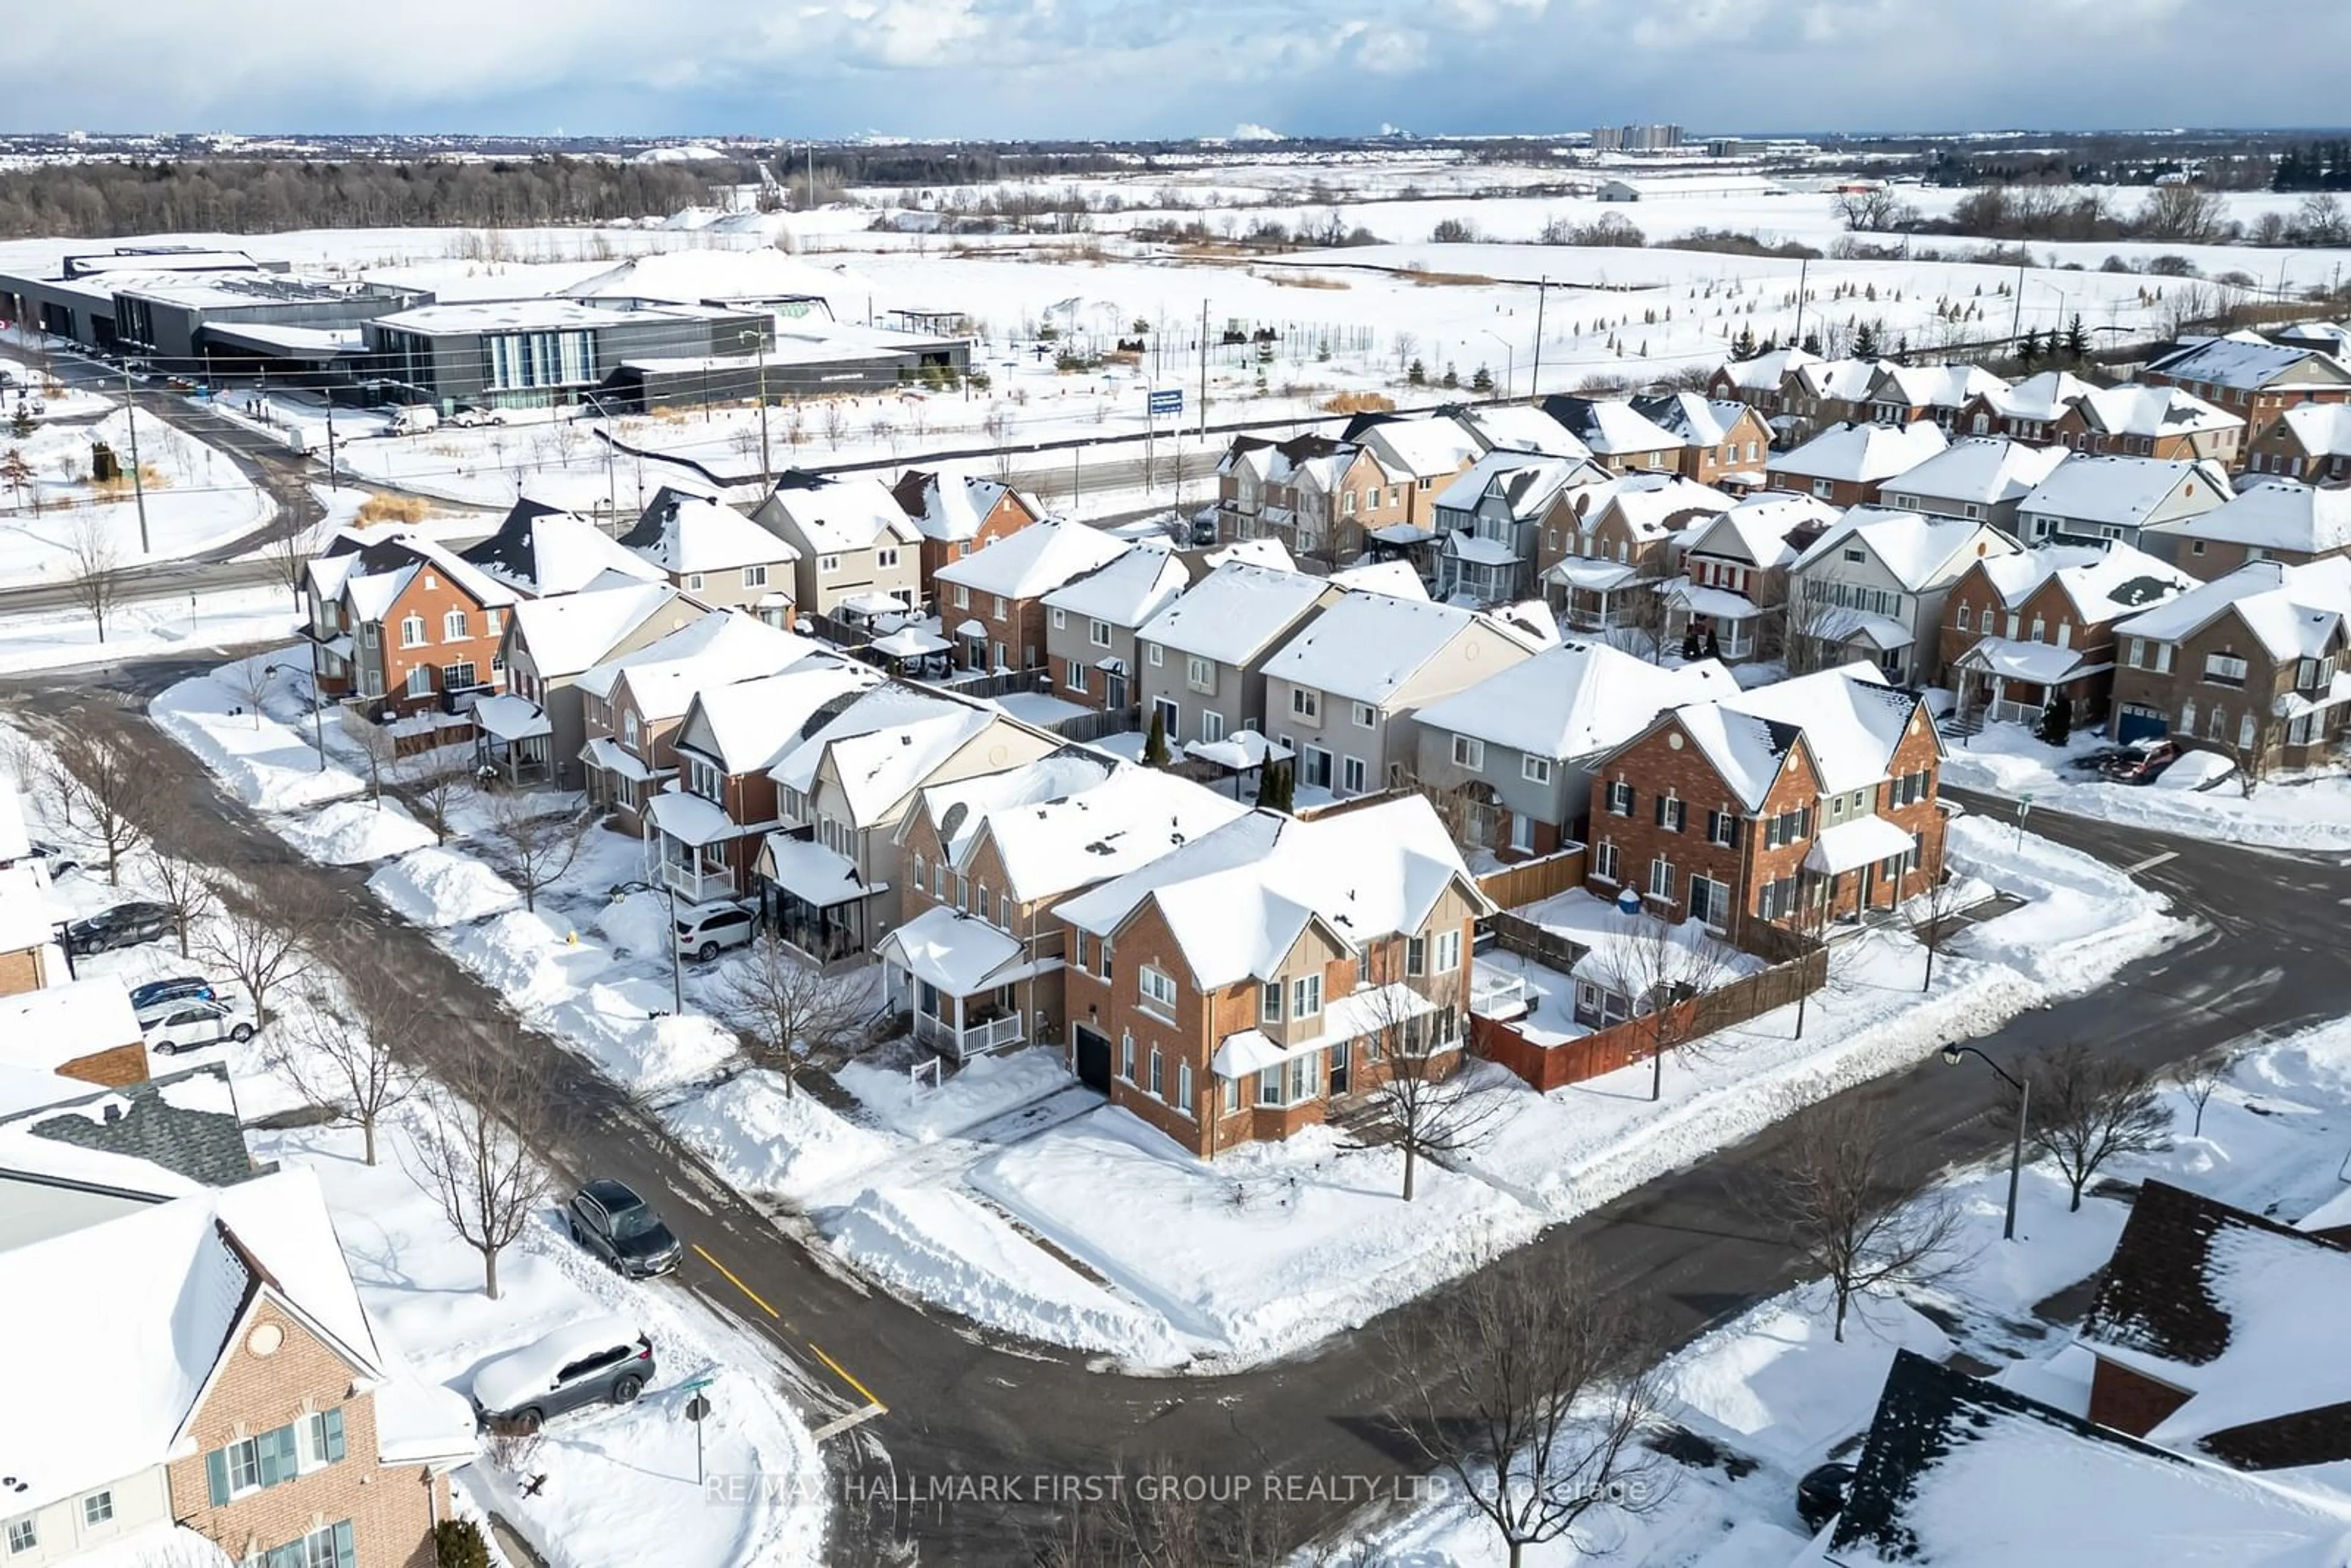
1094 1059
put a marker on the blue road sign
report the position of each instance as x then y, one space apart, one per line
1169 401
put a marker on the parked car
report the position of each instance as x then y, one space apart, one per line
2105 756
125 925
612 1222
475 416
604 1360
191 1024
59 862
703 929
154 998
2144 764
1819 1496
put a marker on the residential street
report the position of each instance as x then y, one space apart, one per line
959 1405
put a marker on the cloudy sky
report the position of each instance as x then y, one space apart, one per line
1012 69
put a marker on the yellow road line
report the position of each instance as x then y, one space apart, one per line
842 1373
739 1285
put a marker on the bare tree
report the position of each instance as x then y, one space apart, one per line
2253 746
2197 1082
1815 628
1525 1388
249 681
473 1150
1425 1104
1835 1195
1660 970
434 783
529 844
1936 919
1639 625
378 748
2182 212
266 932
288 552
97 570
2088 1107
1873 210
342 1057
789 1013
182 887
115 792
836 422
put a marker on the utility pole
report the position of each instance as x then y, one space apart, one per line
1204 373
2016 321
333 482
1534 379
1803 265
138 484
759 345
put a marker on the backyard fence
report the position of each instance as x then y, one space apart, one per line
1531 882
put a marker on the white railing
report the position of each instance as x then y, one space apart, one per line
1494 992
698 885
973 1039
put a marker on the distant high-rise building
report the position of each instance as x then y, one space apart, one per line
1636 138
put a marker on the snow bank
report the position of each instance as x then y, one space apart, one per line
259 760
2194 796
941 1247
985 1089
434 886
765 1141
352 833
2083 919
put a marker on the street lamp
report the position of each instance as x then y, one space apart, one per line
676 975
759 342
137 480
1509 360
1952 1056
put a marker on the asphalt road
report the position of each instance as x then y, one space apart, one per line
959 1404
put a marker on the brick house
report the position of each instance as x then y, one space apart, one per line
1417 458
2193 1319
2020 629
399 620
1723 441
29 955
1732 595
76 1029
992 601
1090 624
1817 394
1619 437
703 547
956 515
535 731
2269 519
1263 975
2257 664
1848 464
2311 440
2252 377
2029 411
538 549
1939 394
1604 548
243 1387
1759 382
979 961
1798 802
2151 422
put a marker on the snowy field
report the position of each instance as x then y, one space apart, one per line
155 628
1772 1389
619 1486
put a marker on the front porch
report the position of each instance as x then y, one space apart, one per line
961 979
1594 595
512 738
814 897
1477 568
1713 622
690 848
2010 682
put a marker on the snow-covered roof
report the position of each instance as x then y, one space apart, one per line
1367 645
1395 579
2295 610
1757 531
48 1027
748 725
1520 427
2041 664
1575 700
680 532
2275 514
1862 453
1849 720
1764 372
1697 421
1421 448
840 514
1525 480
1235 612
2153 411
1648 503
718 650
1935 386
2044 397
1620 947
2240 360
372 592
1917 549
1125 819
955 952
702 275
28 916
1126 590
2121 490
540 549
1987 469
1612 426
817 876
1034 561
569 632
2321 429
1844 380
958 809
2102 582
953 506
1856 842
1237 899
1267 553
881 747
131 1315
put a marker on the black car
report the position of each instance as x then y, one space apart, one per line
1819 1496
620 1228
125 925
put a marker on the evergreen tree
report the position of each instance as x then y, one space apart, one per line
2028 349
1864 342
1452 381
2057 720
1275 787
1812 343
1483 381
1154 745
2077 340
1742 347
1417 375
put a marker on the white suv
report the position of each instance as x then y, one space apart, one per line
195 1023
704 929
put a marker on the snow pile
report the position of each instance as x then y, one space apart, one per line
2196 771
2196 796
434 886
2083 920
769 1142
637 923
941 1247
985 1088
353 832
257 759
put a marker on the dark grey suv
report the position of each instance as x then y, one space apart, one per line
612 1222
603 1361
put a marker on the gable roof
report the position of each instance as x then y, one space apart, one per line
837 513
1526 481
2296 611
1127 590
2240 361
1696 420
2321 429
1764 372
1420 448
882 746
2102 581
568 632
1848 721
2239 1312
1575 700
2044 397
1396 579
1958 1472
381 567
2153 412
1034 559
1648 503
717 650
1067 820
2121 490
1862 453
1520 427
950 507
680 532
748 725
1366 645
1934 386
1235 612
1765 531
1917 549
538 549
2275 514
1986 470
186 1123
1611 426
58 1024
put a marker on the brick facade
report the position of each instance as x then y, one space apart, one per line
2048 614
21 971
2277 449
2131 1401
1015 628
111 1067
928 881
2194 705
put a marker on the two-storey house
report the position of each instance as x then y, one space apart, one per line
1090 624
1821 393
1341 693
1729 600
1204 656
1848 464
2251 377
1873 587
2029 411
1604 548
1504 758
398 621
2253 663
1759 381
2022 629
2269 519
1795 804
2152 422
1620 438
535 730
537 550
1269 972
1517 427
1724 442
1939 394
1982 478
956 515
703 547
977 962
2310 441
1490 522
1304 492
992 601
2092 498
856 549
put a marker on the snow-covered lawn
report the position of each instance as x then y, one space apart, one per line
196 497
265 756
2198 795
150 629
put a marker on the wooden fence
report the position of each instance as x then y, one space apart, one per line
1531 882
1085 727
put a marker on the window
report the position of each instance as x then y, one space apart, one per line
1074 677
490 623
922 877
1671 813
1604 861
1306 996
2223 670
1158 990
1269 1003
371 634
1661 879
24 1535
1351 775
1199 674
1416 955
1523 832
1620 798
1366 716
1721 828
322 1437
1960 620
1231 1095
411 632
97 1509
997 606
1304 1077
963 597
1158 1082
1106 956
755 577
1126 1056
327 1548
2039 630
1469 753
1153 654
1535 770
1305 704
1856 555
453 626
457 677
883 559
1212 726
420 681
1061 617
1314 769
694 581
1183 1086
1448 953
1098 633
1268 1086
